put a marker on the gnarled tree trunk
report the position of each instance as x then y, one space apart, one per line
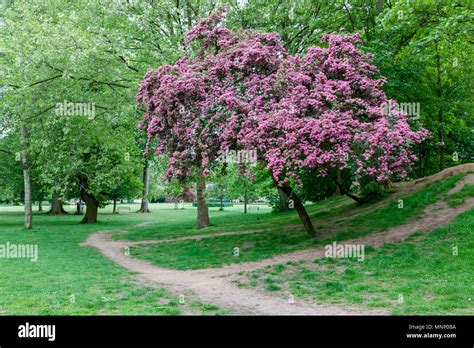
56 206
92 209
202 209
92 204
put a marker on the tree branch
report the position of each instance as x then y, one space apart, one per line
347 193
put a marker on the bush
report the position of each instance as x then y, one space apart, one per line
372 191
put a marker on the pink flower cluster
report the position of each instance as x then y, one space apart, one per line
316 112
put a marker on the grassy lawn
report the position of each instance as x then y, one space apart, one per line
168 222
69 279
329 215
422 275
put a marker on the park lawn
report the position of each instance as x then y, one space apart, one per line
69 279
421 275
219 251
73 280
168 222
174 223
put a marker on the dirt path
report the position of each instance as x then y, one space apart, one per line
208 285
212 289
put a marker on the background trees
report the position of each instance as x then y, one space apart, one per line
425 51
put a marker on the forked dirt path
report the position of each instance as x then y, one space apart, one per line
210 286
212 289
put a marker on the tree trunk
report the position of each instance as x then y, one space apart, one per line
338 189
114 211
245 196
439 94
302 213
442 164
92 204
304 217
202 209
347 193
146 181
283 199
388 184
56 206
92 209
40 205
25 160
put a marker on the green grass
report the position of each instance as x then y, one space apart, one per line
66 270
207 309
69 279
215 252
219 251
460 197
174 223
399 211
425 273
168 222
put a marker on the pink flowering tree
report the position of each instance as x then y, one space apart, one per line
322 112
182 111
